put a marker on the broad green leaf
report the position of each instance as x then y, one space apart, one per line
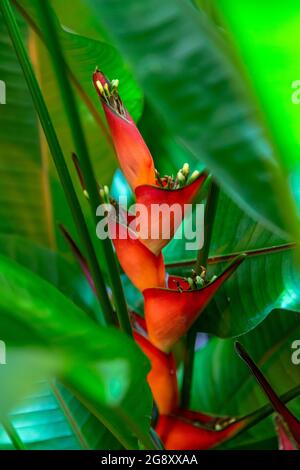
105 368
266 38
180 61
222 383
39 422
260 284
55 268
24 367
234 231
87 428
89 432
84 54
25 201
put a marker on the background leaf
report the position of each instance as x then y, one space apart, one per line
231 389
199 95
268 50
25 206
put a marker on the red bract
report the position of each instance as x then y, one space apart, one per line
169 313
162 378
133 154
192 433
143 268
165 210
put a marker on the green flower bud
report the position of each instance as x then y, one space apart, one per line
199 281
191 282
102 194
194 176
180 178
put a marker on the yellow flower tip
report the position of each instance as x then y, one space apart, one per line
106 190
186 169
100 86
180 177
86 194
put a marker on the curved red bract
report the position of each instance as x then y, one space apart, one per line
133 154
169 313
143 268
162 378
167 222
181 434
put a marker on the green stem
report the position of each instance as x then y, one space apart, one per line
12 434
209 217
57 155
202 258
59 65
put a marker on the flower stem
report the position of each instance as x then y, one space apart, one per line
50 33
57 156
189 356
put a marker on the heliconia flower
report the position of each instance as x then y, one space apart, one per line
291 423
170 312
137 165
196 431
162 377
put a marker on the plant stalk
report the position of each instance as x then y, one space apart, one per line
202 258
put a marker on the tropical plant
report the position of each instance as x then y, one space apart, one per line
130 341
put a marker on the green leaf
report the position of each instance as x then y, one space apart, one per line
266 39
25 201
39 421
88 432
84 54
87 428
24 367
222 383
180 61
234 232
105 368
63 273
